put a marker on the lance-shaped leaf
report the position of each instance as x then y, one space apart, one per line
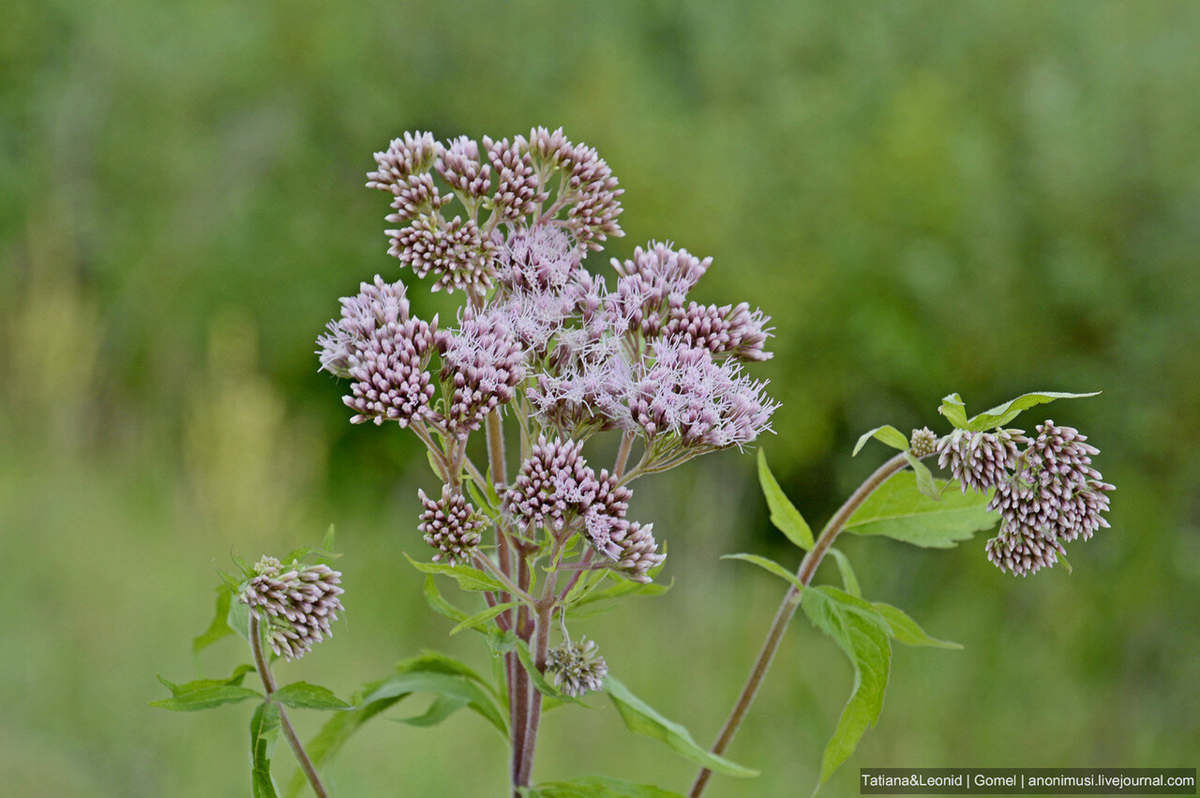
325 745
442 707
784 515
264 731
598 787
885 434
905 630
1001 415
640 718
302 695
897 509
767 565
481 618
849 579
207 693
431 672
219 627
468 578
954 410
926 484
860 632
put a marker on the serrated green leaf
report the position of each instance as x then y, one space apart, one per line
231 582
302 695
468 578
907 631
862 633
898 510
328 742
481 618
599 787
1063 558
954 410
436 662
885 434
767 565
849 580
1002 414
218 628
925 482
264 731
784 515
207 693
640 718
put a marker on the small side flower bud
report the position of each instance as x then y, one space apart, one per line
295 603
451 525
923 442
576 668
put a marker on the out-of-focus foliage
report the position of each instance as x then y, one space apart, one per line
927 196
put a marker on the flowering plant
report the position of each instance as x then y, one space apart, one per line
564 358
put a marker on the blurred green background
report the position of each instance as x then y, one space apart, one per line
927 197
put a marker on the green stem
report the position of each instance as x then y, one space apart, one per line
791 600
268 683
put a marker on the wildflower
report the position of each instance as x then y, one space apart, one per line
415 196
708 405
576 668
724 330
923 442
414 153
517 187
540 260
1054 495
555 486
462 169
979 460
450 525
455 252
638 553
481 366
383 350
297 603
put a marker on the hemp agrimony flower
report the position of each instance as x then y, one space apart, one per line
450 525
577 667
979 460
297 603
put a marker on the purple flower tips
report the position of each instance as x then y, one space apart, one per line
576 668
296 603
450 525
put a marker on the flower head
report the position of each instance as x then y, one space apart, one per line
577 667
707 404
384 351
462 168
412 154
1054 495
923 442
518 190
455 252
297 603
482 363
979 460
450 525
722 330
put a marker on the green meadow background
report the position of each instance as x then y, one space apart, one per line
926 197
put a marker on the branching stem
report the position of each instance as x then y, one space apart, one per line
791 600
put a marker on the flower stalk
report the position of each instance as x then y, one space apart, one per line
268 682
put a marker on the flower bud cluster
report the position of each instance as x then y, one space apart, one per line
1047 493
576 667
450 525
1054 496
384 351
297 603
